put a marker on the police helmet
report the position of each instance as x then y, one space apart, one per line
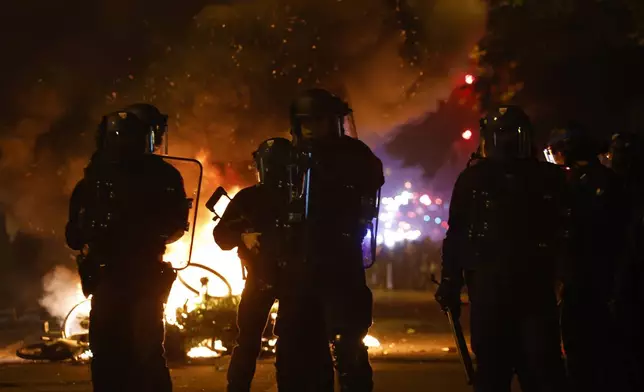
625 154
315 104
272 158
122 133
506 132
573 143
156 121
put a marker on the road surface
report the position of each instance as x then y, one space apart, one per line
389 375
414 335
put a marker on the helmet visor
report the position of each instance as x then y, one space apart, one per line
549 155
349 127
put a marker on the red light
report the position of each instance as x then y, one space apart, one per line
467 134
469 79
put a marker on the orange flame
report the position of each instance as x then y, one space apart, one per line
205 252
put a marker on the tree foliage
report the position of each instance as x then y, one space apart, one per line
561 60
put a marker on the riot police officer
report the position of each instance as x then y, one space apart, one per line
597 199
341 180
626 158
128 206
255 222
506 225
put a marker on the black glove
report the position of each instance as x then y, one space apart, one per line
167 276
448 296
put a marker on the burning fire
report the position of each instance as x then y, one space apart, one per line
207 349
85 356
371 342
205 252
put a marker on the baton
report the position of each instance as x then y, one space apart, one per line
461 344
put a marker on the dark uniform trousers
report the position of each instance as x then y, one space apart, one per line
508 340
303 357
630 322
252 316
126 336
336 309
590 341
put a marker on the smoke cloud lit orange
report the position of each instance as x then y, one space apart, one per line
225 78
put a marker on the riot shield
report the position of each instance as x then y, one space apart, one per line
370 240
299 190
217 204
77 320
350 128
213 202
179 252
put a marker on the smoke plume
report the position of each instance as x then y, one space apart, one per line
225 73
62 291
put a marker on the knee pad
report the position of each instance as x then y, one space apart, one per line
352 362
348 350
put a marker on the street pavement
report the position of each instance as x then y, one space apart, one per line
417 353
389 375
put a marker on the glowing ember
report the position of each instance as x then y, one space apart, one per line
371 342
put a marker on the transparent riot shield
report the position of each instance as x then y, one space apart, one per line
370 240
179 252
77 320
213 204
350 126
217 204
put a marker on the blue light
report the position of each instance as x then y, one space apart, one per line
438 221
426 218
